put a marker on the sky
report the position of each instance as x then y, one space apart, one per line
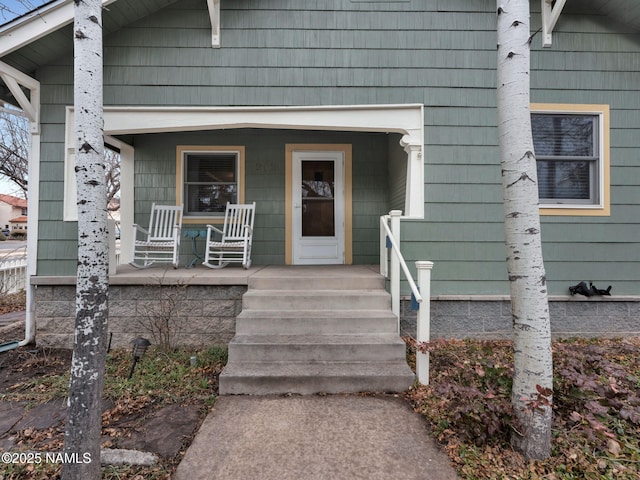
9 9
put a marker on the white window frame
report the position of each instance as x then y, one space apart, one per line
602 205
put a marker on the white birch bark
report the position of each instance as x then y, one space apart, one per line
529 304
84 412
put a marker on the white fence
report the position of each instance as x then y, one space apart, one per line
13 272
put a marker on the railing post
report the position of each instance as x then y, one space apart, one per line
111 226
394 274
384 257
424 318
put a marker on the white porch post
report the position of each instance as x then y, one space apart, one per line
394 274
16 81
424 318
414 200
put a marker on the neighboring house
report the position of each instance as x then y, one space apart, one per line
396 99
13 213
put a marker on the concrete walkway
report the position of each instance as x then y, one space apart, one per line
334 437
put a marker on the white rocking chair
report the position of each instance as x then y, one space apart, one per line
161 243
237 236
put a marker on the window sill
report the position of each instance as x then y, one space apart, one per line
202 220
576 210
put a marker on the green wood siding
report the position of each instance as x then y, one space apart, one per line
440 53
265 182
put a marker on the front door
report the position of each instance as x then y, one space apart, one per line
318 207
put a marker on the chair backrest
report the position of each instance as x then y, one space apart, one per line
164 219
236 216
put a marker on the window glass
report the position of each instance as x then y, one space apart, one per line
564 135
564 180
211 180
566 147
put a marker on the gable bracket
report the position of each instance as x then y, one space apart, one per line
551 10
214 15
15 81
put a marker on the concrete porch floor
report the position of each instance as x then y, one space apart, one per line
201 275
233 275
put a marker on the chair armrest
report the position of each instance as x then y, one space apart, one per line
138 228
211 231
211 227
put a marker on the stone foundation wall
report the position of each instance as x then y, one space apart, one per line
200 314
570 317
206 315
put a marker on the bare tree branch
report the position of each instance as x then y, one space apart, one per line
14 147
112 167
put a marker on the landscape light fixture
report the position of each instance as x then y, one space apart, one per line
140 346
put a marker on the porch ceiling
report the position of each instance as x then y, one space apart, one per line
626 12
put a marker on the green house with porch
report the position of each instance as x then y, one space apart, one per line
390 102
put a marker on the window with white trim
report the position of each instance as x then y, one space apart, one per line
572 160
210 179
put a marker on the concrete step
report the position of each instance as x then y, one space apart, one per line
317 282
315 322
316 300
316 329
314 277
316 348
276 378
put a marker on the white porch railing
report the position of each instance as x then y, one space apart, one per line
391 260
13 272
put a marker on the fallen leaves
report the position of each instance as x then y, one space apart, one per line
613 447
37 376
596 409
13 302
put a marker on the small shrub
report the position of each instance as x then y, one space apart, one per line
160 318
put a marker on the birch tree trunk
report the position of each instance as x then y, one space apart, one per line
84 412
532 382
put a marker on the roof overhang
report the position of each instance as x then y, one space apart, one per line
37 24
625 12
54 15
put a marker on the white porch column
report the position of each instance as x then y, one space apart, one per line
424 319
394 274
414 199
16 81
32 233
127 174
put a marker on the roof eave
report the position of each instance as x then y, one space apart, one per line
37 24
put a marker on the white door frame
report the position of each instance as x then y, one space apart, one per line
318 250
344 216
